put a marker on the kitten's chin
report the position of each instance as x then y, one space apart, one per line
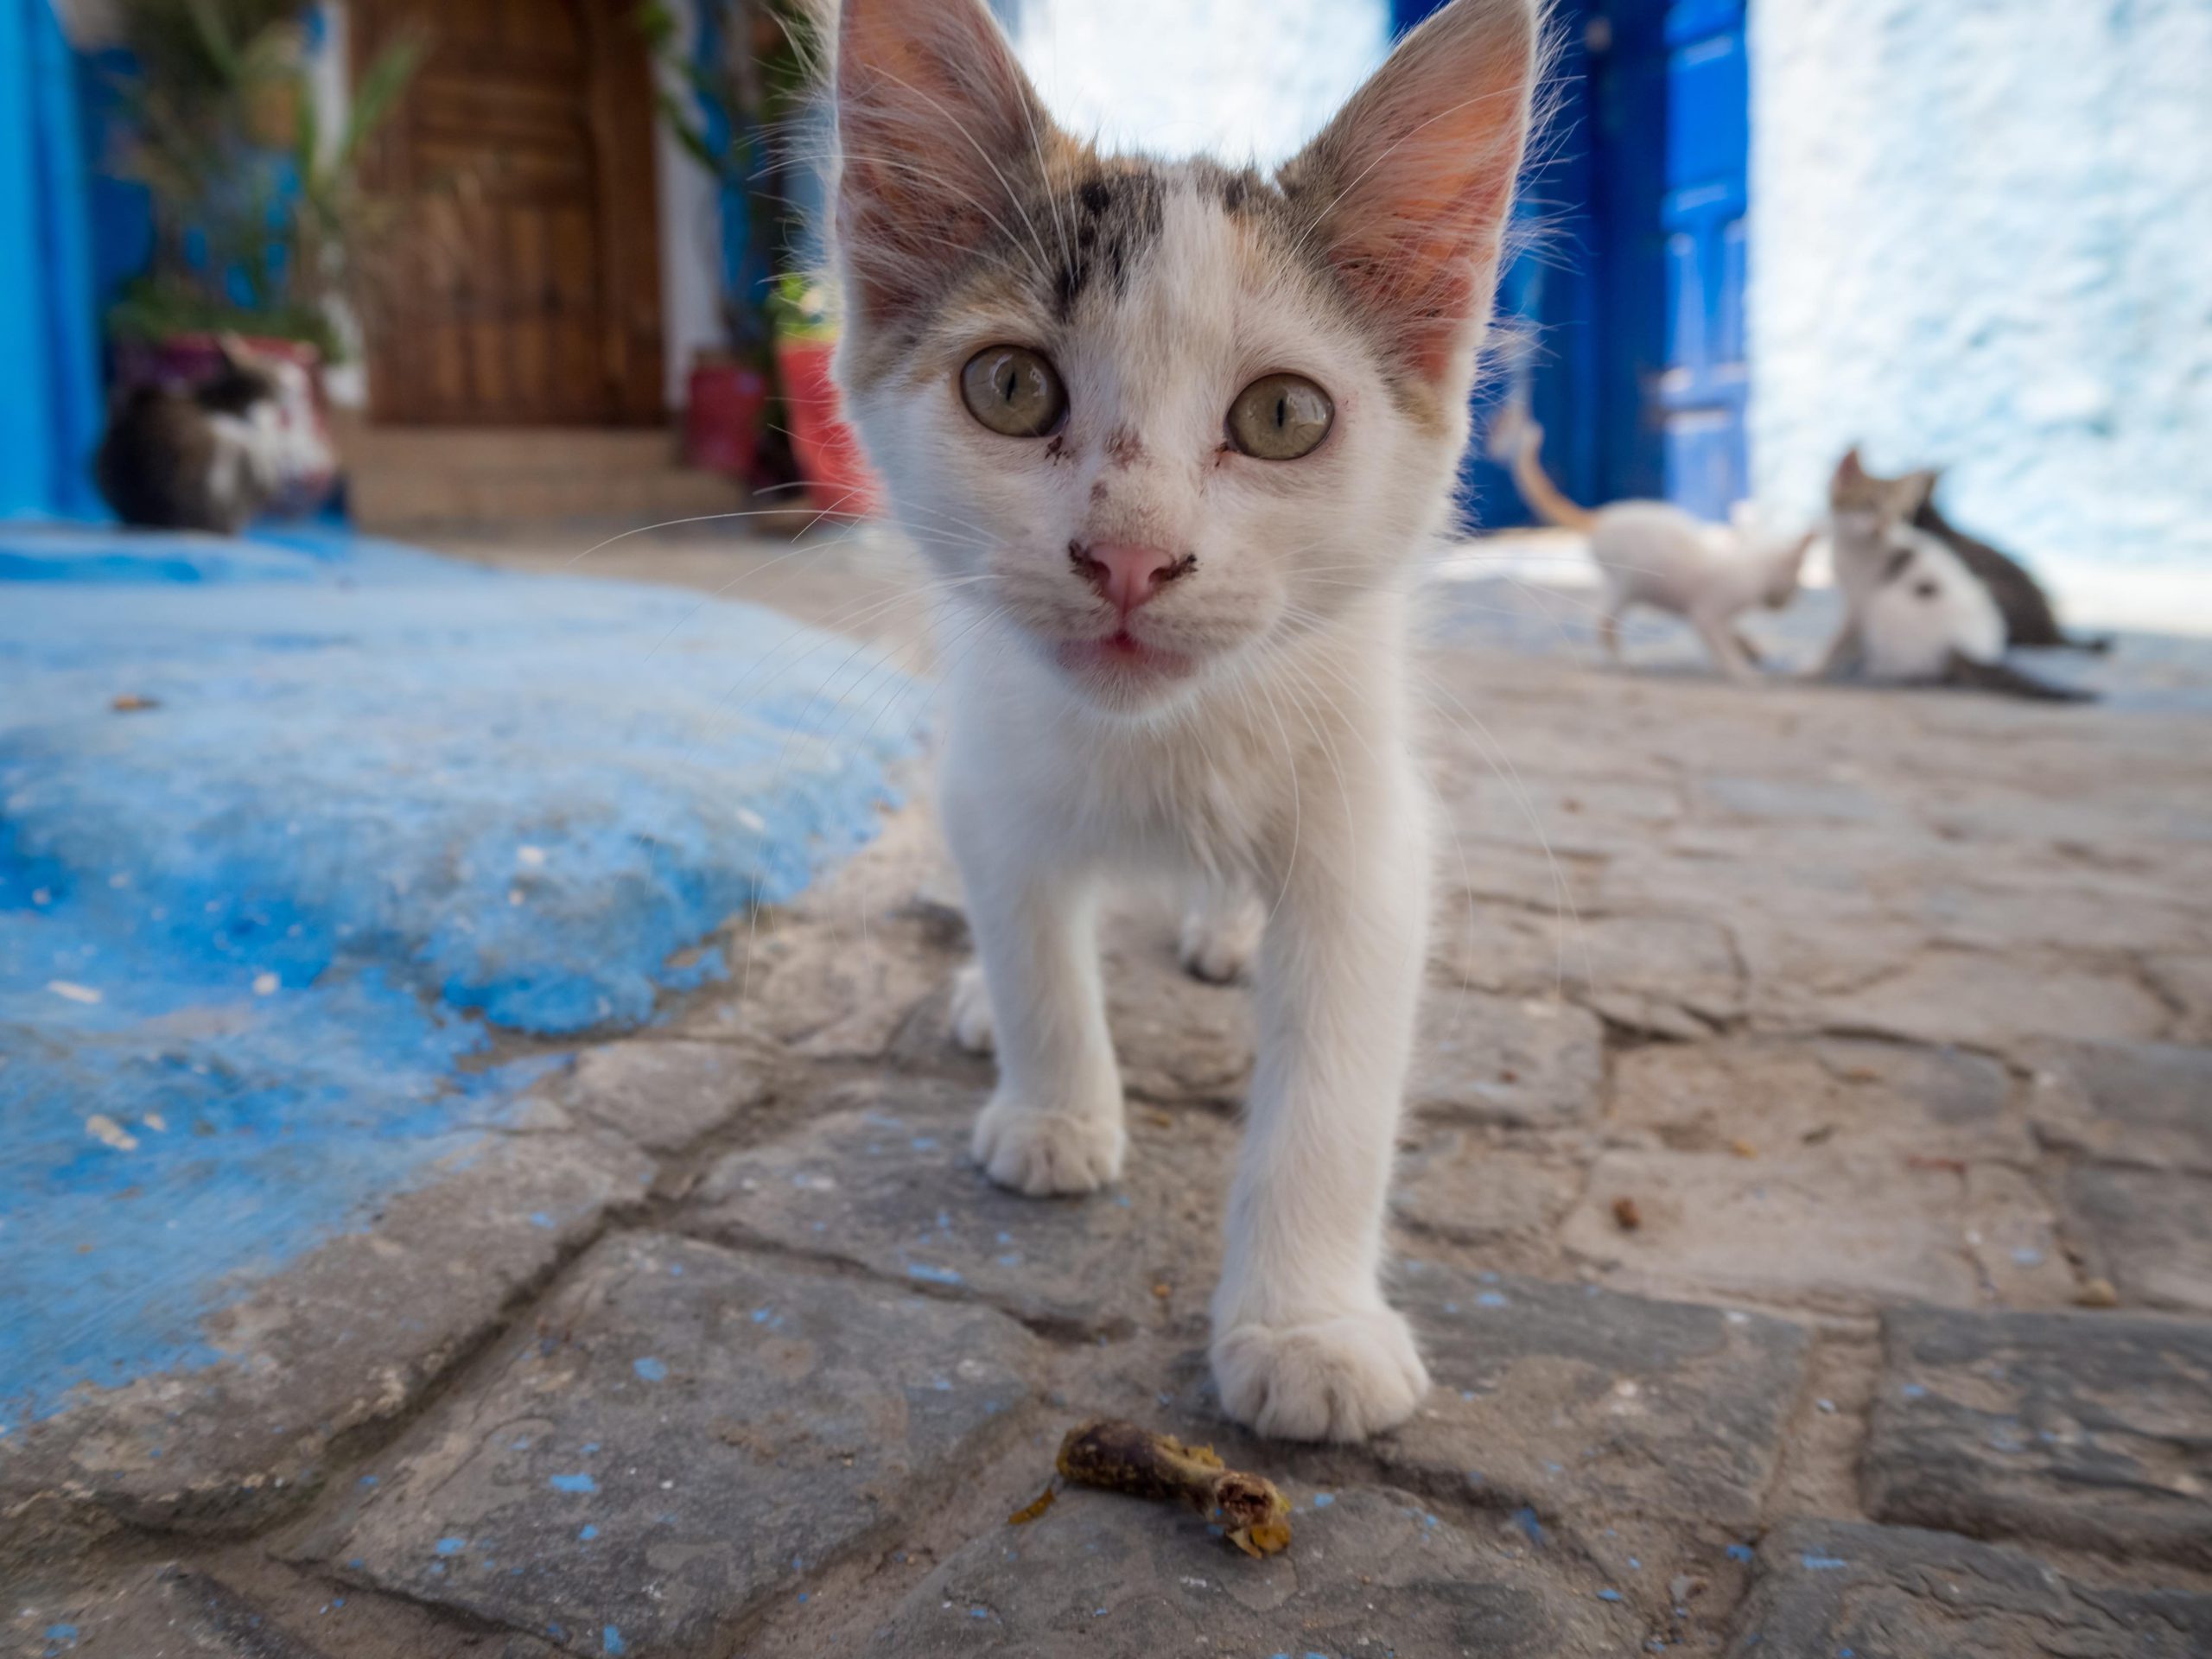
1122 671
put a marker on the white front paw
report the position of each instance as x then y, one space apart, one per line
1340 1378
971 1010
1040 1153
1220 939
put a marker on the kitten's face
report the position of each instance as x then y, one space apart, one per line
1152 448
1866 508
1158 418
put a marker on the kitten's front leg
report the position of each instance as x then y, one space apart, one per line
1054 1122
1304 1345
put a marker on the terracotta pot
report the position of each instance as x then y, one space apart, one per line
724 405
838 481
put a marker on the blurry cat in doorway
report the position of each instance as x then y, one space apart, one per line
212 457
1915 611
2029 617
1173 436
1653 553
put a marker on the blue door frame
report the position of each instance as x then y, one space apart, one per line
1620 320
49 393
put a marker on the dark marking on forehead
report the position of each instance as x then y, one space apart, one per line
1117 220
1124 447
1057 449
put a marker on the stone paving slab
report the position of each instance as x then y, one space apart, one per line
2093 1430
1778 1094
1461 1184
1371 1572
887 1183
1571 1400
346 1339
159 1613
1515 1060
1833 1228
687 1432
1829 1588
2000 1003
2147 1103
2150 1233
660 1095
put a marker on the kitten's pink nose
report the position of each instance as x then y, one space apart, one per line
1126 573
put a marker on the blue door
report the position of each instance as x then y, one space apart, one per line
1698 399
1631 298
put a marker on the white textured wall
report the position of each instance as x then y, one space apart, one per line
1244 79
1982 234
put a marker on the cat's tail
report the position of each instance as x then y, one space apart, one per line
2007 680
1517 440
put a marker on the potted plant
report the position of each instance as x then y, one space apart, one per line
728 93
261 229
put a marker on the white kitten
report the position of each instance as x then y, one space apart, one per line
1914 613
1172 436
1654 553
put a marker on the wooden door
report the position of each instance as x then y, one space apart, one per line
525 287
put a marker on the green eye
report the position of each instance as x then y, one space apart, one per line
1014 390
1281 417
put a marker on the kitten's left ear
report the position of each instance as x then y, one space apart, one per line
1410 186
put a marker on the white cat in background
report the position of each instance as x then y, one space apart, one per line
1173 436
1653 553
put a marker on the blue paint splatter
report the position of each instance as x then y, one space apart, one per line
1609 1595
288 1037
650 1370
979 1612
368 1480
573 1484
539 1218
1526 1520
1490 1299
925 1143
450 1545
1822 1563
1739 1552
1913 1391
588 1535
933 1275
62 1633
610 1641
1322 1500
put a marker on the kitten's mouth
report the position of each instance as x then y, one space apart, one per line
1120 655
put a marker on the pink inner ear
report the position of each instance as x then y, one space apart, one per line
1415 176
934 117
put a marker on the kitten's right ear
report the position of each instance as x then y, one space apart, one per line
1409 188
935 118
1850 469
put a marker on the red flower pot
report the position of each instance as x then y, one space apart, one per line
837 480
723 411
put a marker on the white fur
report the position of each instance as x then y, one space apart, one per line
1912 625
1909 604
1653 553
1279 769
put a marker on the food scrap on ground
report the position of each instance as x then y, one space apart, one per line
1626 1216
1122 1457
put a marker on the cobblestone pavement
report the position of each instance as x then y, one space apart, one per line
1806 1201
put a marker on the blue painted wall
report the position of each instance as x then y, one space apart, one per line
1984 240
49 392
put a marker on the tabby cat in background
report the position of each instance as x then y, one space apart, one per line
212 457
